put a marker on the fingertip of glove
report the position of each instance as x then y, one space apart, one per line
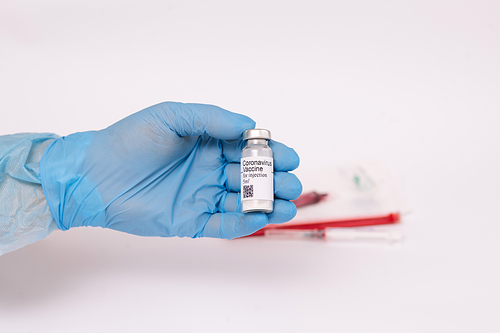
256 220
296 191
294 159
289 210
284 211
287 186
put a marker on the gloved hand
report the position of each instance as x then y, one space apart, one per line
169 170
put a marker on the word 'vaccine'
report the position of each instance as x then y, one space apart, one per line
257 172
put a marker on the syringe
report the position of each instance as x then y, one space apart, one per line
336 234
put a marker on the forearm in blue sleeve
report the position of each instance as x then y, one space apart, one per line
25 216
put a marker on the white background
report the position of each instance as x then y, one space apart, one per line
413 84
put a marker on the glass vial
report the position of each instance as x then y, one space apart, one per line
257 172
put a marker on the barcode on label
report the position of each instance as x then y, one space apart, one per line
247 191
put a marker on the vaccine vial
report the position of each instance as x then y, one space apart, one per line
257 172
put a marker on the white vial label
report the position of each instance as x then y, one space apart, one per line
257 182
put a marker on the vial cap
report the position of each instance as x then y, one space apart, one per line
257 133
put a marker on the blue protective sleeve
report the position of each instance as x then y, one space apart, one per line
24 213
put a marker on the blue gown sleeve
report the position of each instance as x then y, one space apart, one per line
25 216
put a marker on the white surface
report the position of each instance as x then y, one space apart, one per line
413 84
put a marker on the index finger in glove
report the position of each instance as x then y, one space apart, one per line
187 119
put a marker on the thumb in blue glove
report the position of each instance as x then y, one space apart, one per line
169 170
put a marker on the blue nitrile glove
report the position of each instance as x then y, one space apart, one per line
169 170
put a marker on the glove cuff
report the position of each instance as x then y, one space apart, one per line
72 199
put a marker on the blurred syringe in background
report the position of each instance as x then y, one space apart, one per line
337 234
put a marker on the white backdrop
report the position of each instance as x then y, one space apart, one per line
415 85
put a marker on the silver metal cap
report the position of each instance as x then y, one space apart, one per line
257 133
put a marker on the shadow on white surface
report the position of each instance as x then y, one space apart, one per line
86 260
